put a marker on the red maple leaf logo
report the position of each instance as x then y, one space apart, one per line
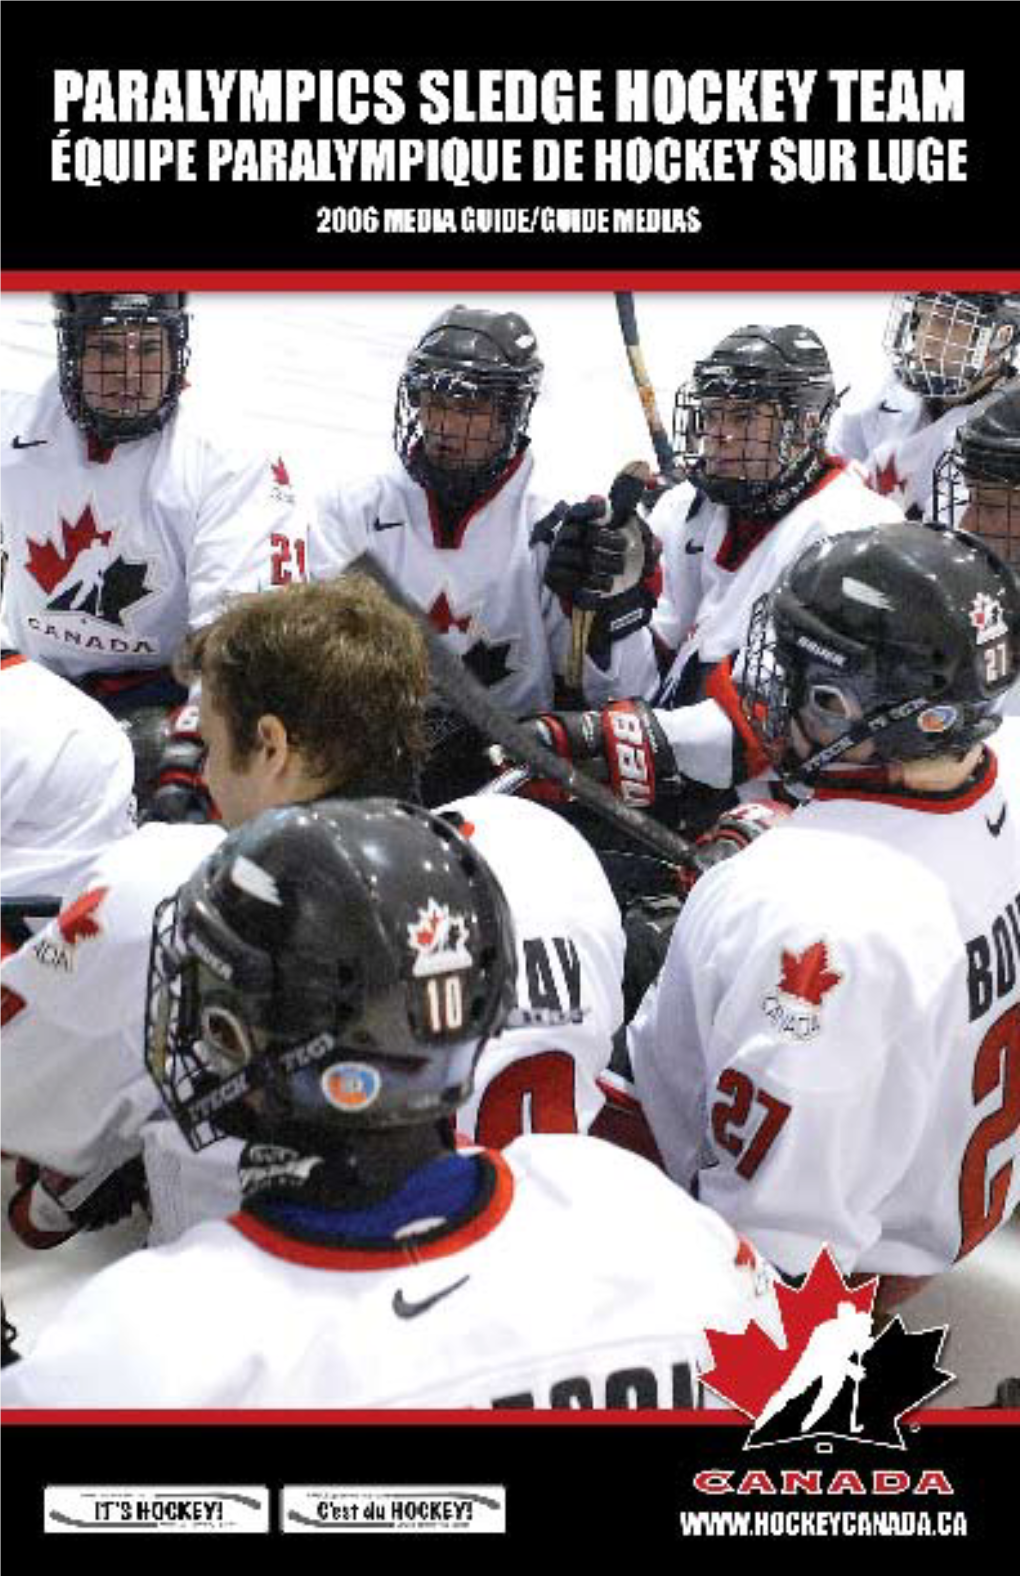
886 480
48 566
279 471
442 617
426 934
78 923
748 1369
807 975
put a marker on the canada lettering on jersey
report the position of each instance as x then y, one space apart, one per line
993 961
89 640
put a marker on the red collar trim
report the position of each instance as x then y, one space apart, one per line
473 509
320 1258
929 806
12 661
744 535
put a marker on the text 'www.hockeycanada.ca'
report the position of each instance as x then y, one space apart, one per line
823 1524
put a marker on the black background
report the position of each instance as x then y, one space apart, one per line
573 1486
759 226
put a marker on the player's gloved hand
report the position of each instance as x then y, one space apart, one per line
734 830
48 1207
181 793
623 745
604 558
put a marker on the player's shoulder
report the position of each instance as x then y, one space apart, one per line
593 1174
845 502
531 847
674 507
30 420
201 437
139 870
1005 747
56 706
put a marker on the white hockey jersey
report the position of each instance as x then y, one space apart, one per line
74 1085
713 576
583 1278
112 558
484 591
67 783
834 1042
540 1074
898 445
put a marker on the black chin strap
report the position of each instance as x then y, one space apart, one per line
867 728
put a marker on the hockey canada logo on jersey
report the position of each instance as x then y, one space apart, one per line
794 1006
988 619
438 940
281 490
73 925
85 574
835 1375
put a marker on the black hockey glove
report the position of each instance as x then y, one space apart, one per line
181 793
48 1208
605 559
734 830
623 745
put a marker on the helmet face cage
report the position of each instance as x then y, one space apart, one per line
752 445
945 346
980 493
456 429
122 361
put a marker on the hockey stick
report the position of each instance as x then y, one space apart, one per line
664 456
471 699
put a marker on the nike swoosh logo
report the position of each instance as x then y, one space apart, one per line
410 1310
694 547
890 410
28 443
386 525
995 827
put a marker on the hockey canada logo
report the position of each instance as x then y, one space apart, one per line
836 1376
987 618
85 574
73 925
795 1005
438 940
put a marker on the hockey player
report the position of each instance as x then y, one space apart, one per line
750 430
66 787
125 522
321 989
828 1050
949 352
460 527
312 690
977 486
977 482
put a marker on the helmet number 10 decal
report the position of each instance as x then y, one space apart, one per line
444 999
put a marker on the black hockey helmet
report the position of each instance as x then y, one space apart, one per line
331 967
904 635
765 472
977 481
80 319
951 345
468 361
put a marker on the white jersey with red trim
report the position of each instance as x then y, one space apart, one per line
67 785
483 591
581 1277
113 554
538 1076
898 442
713 576
834 1041
75 1088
